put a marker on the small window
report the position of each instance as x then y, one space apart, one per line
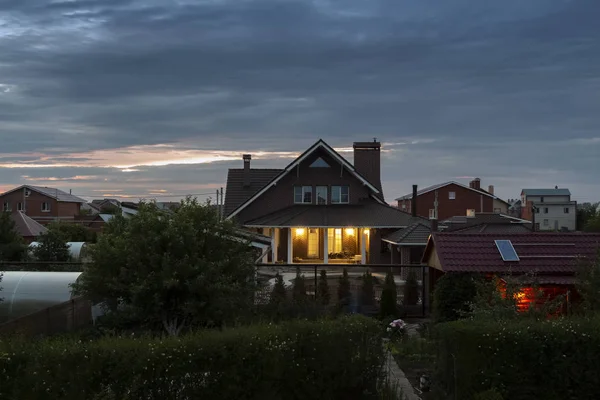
471 212
566 210
45 206
303 194
545 210
404 206
497 210
20 206
319 163
340 194
431 213
6 206
452 195
321 194
537 210
545 222
541 199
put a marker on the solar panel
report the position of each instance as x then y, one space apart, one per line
507 251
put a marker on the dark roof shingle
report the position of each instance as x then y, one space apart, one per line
236 193
417 233
544 253
26 226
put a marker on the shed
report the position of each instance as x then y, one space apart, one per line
25 292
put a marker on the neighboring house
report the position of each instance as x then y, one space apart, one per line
549 209
28 228
90 209
453 198
318 209
407 246
486 223
552 257
43 204
514 209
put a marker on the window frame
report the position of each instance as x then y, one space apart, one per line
451 195
566 210
304 190
6 206
46 209
546 210
317 194
546 222
20 206
341 194
431 213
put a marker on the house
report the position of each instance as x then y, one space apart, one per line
514 208
486 223
550 209
25 226
552 257
43 204
318 209
453 198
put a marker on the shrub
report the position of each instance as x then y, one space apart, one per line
344 295
323 290
278 294
521 359
453 295
367 293
411 289
299 288
327 359
389 296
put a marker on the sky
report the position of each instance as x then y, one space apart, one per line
157 99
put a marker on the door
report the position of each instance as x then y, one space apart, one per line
313 243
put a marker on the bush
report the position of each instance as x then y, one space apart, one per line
520 359
453 295
333 359
344 294
389 297
323 289
411 289
367 292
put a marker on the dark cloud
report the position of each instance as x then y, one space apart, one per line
500 86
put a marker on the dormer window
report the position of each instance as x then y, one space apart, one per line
303 194
340 195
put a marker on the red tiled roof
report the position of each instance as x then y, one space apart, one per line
538 252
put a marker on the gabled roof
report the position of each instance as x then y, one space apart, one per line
417 233
54 193
546 192
540 252
320 144
441 185
235 192
368 215
26 226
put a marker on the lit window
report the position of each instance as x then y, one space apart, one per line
303 194
321 194
334 240
340 194
6 206
452 195
45 206
471 212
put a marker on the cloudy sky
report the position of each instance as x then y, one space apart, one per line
157 98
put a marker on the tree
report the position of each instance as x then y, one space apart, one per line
588 217
278 294
52 246
323 292
175 269
389 296
453 295
73 232
588 283
344 295
593 223
299 288
367 293
411 289
12 246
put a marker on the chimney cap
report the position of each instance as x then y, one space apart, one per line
367 145
247 157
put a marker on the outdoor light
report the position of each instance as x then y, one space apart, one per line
366 231
350 231
299 231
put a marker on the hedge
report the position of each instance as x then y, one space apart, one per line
520 359
326 359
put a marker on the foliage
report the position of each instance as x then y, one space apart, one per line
327 359
411 289
367 292
521 359
299 287
73 232
588 284
389 296
323 295
344 294
52 246
588 217
278 294
12 247
453 295
176 269
593 224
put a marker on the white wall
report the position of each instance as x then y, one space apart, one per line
549 199
498 204
556 215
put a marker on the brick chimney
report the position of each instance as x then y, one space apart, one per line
491 189
247 158
413 201
367 161
475 184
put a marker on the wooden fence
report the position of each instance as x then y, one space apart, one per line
64 317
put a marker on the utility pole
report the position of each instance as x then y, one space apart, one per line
533 211
217 204
435 205
222 207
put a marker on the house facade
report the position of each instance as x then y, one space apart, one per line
551 209
453 198
43 204
318 209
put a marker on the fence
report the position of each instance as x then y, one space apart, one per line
60 318
311 272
